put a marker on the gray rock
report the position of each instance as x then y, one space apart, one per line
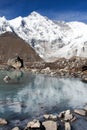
73 119
85 108
50 125
46 116
33 124
15 128
46 70
7 79
61 114
16 62
84 79
66 115
80 112
67 126
3 121
34 70
50 116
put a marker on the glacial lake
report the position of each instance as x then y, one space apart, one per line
29 96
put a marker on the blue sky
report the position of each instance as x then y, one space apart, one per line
67 10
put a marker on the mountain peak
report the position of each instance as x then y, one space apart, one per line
34 13
3 18
47 37
16 22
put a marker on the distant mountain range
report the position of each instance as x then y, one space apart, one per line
50 39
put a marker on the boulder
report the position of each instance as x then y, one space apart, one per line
73 119
46 116
61 114
50 117
16 128
84 67
46 70
66 116
85 108
34 70
16 62
80 112
35 124
50 125
84 79
3 121
67 126
7 79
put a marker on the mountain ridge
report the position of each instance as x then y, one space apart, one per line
47 37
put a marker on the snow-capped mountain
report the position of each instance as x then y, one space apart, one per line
51 39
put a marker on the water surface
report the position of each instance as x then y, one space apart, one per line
30 96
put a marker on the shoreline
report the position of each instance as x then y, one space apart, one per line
75 67
60 73
74 119
62 68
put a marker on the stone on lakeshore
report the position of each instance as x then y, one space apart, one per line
3 121
33 124
50 117
46 116
61 114
53 73
67 126
67 112
80 112
15 128
66 116
16 62
85 108
73 119
7 79
53 117
84 67
84 79
50 125
34 70
46 70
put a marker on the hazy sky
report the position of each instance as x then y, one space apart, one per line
68 10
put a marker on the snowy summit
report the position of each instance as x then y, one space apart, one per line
50 39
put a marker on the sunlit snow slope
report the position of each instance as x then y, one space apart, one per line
51 39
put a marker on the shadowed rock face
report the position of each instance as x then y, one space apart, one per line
11 45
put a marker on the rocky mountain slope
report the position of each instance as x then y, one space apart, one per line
50 39
11 45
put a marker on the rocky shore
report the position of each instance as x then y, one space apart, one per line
74 67
66 120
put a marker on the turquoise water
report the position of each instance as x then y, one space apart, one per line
29 96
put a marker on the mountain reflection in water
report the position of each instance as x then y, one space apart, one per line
33 95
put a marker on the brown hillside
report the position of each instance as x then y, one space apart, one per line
11 45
